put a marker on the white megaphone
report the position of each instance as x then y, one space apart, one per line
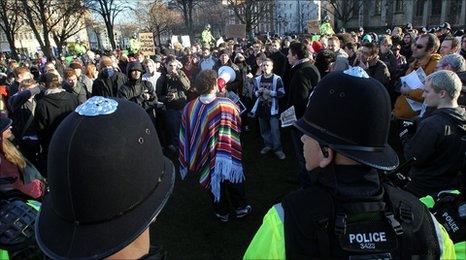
225 74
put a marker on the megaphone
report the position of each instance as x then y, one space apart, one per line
225 74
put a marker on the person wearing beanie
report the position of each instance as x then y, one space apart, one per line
350 211
51 109
109 80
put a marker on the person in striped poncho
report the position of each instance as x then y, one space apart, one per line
209 145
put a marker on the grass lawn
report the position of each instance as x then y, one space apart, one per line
187 228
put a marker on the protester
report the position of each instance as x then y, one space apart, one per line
74 86
139 91
370 62
23 105
437 144
90 74
27 180
268 88
219 166
51 109
152 70
426 58
303 79
449 46
122 184
172 88
109 80
207 62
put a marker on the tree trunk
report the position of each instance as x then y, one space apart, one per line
47 48
11 41
111 36
157 31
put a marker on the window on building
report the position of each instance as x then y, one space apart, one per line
420 7
377 7
399 6
436 7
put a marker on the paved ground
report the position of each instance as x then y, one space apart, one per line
186 228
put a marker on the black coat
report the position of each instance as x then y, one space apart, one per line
178 84
21 112
439 151
50 111
108 87
280 63
303 78
134 91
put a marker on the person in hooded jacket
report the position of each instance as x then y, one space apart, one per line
139 91
109 80
51 109
437 144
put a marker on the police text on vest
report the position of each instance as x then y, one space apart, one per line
367 237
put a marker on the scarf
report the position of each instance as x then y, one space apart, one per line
209 143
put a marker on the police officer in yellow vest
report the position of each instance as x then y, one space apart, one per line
351 211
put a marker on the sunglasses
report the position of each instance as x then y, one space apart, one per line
419 46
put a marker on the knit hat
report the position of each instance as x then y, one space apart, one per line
5 122
317 46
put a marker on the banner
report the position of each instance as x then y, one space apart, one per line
147 44
235 31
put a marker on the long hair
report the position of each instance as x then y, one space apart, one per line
12 154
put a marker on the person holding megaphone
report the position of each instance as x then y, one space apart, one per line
235 83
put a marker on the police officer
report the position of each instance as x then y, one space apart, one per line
106 186
349 212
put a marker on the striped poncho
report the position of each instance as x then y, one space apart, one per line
209 143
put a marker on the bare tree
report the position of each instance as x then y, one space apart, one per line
108 10
69 25
186 7
157 18
250 12
44 17
10 22
343 10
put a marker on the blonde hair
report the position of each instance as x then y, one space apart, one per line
12 154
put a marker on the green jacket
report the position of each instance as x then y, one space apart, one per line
269 241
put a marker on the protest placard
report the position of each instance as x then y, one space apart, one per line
235 31
146 41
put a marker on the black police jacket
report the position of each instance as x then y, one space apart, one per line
339 217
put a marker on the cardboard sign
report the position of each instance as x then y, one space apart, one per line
185 41
147 44
313 27
174 39
235 31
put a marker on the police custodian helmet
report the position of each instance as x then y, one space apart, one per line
350 113
108 181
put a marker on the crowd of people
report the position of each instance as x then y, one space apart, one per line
347 89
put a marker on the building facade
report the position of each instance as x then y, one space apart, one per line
389 13
293 16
